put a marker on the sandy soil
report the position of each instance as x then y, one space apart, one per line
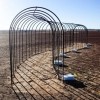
6 92
36 78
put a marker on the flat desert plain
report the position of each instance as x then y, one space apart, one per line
37 80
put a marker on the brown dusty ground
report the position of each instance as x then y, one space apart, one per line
36 78
6 92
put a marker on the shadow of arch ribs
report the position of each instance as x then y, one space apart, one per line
36 30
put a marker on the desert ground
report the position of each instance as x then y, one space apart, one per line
37 80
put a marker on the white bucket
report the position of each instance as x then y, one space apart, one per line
58 62
68 77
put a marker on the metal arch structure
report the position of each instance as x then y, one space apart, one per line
80 36
74 36
34 30
69 35
65 41
68 41
77 33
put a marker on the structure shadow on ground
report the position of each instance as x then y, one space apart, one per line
75 83
38 75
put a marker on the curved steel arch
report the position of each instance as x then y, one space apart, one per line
27 30
86 32
80 36
70 31
36 30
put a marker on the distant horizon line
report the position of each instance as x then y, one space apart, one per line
25 30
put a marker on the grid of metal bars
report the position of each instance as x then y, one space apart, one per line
35 30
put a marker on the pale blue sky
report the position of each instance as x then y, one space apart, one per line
85 12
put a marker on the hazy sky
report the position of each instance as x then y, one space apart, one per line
86 12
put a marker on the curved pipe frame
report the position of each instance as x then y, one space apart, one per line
28 35
36 30
80 36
